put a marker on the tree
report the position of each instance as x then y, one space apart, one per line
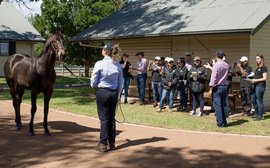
75 16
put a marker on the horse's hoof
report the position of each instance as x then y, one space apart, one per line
30 133
47 133
18 128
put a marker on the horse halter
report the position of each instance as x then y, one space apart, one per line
57 45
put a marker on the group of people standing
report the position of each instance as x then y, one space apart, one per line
187 76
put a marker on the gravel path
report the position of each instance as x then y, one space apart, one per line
74 138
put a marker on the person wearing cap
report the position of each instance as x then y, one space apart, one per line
197 77
155 67
141 70
229 78
168 81
218 88
106 79
182 84
126 75
259 86
243 69
189 61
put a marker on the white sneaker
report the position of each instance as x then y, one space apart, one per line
199 114
159 110
192 113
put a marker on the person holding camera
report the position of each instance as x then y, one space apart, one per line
245 85
197 77
126 75
155 67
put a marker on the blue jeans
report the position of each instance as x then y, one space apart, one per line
220 106
195 96
257 100
183 95
156 87
164 94
126 81
141 82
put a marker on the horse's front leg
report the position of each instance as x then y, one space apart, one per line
17 99
33 112
47 97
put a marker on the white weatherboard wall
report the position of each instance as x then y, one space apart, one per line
22 48
205 46
260 44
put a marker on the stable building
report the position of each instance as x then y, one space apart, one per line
172 27
17 35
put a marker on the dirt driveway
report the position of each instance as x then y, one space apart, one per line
74 138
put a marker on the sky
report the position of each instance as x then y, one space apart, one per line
34 8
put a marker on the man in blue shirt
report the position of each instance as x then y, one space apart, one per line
107 80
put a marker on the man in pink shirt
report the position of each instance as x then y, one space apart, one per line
141 69
218 86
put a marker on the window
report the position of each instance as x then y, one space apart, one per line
4 48
7 48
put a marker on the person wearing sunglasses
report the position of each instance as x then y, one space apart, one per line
168 81
182 85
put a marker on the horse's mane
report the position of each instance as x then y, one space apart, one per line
46 47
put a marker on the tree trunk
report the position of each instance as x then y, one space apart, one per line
87 66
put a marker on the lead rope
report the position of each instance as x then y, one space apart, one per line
123 116
72 73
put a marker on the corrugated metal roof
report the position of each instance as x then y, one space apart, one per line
178 17
13 26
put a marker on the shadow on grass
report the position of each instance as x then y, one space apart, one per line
266 117
237 122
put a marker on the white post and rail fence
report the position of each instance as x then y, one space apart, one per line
77 70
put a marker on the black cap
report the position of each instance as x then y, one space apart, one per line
108 47
220 53
140 53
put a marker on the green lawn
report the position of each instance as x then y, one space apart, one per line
81 101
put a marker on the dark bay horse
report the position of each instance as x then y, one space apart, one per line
36 74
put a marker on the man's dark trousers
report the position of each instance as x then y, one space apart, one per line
106 104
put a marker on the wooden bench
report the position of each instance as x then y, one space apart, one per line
233 94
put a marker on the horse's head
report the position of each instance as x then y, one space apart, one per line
57 42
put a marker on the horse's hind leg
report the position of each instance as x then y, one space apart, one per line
33 112
17 94
47 97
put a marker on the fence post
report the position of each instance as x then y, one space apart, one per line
63 70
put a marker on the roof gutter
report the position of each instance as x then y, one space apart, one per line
88 45
211 32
